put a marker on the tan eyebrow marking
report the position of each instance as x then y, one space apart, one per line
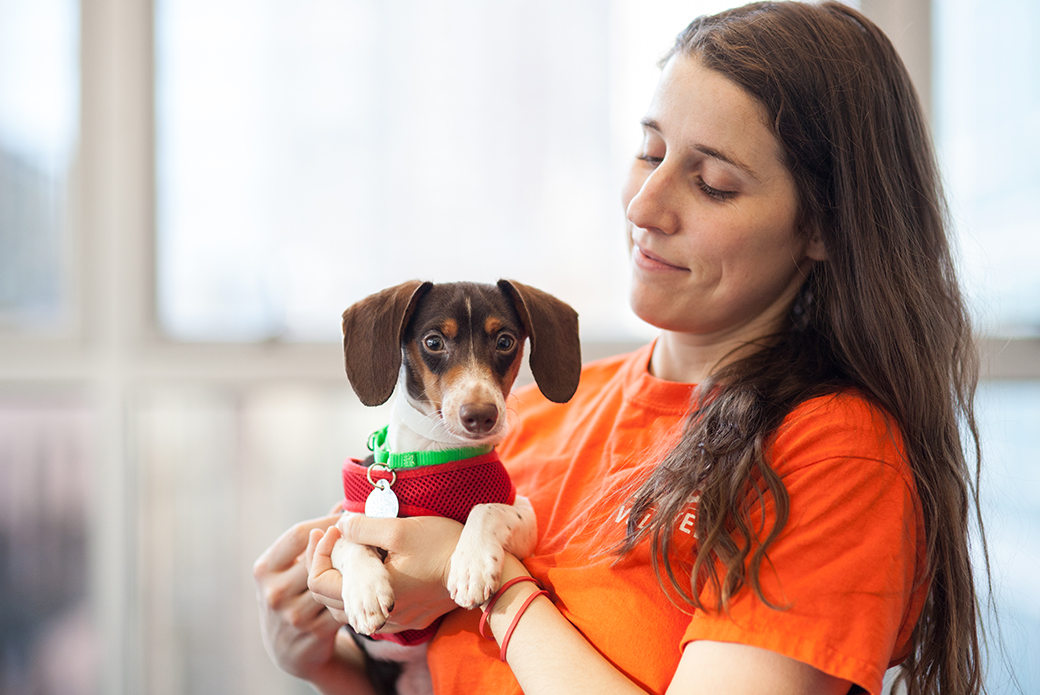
492 325
450 328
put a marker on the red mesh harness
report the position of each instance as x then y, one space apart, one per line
449 489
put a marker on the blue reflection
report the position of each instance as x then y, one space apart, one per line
1009 414
39 116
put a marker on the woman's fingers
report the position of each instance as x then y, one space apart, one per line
297 631
305 613
327 588
312 543
289 546
279 574
324 581
337 615
327 541
378 533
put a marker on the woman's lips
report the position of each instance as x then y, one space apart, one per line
650 261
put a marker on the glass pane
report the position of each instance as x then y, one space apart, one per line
1009 418
987 89
49 638
311 153
221 475
39 112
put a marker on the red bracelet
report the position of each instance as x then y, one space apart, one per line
494 599
516 619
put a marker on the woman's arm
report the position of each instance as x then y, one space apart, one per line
737 669
546 653
300 635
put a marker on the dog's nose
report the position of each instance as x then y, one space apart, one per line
479 418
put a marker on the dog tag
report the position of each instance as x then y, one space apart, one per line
382 502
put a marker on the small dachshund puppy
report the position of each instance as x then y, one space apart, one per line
452 352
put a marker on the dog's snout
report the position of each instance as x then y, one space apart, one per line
479 418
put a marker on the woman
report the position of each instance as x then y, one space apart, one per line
803 525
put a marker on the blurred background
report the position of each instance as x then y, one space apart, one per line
191 192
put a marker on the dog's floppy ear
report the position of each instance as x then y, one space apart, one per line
372 331
552 326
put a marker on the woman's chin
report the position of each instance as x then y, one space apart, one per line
655 308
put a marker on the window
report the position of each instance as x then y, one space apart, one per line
987 105
39 106
311 154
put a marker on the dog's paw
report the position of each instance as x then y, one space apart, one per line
367 604
473 576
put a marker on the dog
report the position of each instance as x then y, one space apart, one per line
451 352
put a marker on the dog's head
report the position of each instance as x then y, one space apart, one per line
460 342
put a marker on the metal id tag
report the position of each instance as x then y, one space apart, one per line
382 502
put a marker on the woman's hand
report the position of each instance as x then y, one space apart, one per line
297 631
301 637
418 559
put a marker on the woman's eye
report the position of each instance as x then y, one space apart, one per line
653 161
506 342
433 343
715 193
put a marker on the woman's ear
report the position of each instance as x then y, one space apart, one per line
816 250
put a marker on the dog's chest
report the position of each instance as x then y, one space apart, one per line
450 489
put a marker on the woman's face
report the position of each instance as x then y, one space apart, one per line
711 212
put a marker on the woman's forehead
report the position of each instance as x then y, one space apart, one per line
701 109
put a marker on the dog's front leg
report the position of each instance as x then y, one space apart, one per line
491 530
367 595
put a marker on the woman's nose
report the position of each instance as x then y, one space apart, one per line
652 205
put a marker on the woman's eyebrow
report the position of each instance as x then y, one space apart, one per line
704 149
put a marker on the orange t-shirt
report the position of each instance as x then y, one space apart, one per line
848 566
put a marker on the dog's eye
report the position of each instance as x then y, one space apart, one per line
506 342
433 343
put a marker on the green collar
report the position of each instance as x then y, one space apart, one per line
416 459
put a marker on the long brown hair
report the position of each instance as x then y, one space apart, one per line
882 315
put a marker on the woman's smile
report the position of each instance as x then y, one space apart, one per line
651 262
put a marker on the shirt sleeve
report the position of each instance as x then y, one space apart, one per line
844 575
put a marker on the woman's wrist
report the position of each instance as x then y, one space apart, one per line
545 652
505 609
